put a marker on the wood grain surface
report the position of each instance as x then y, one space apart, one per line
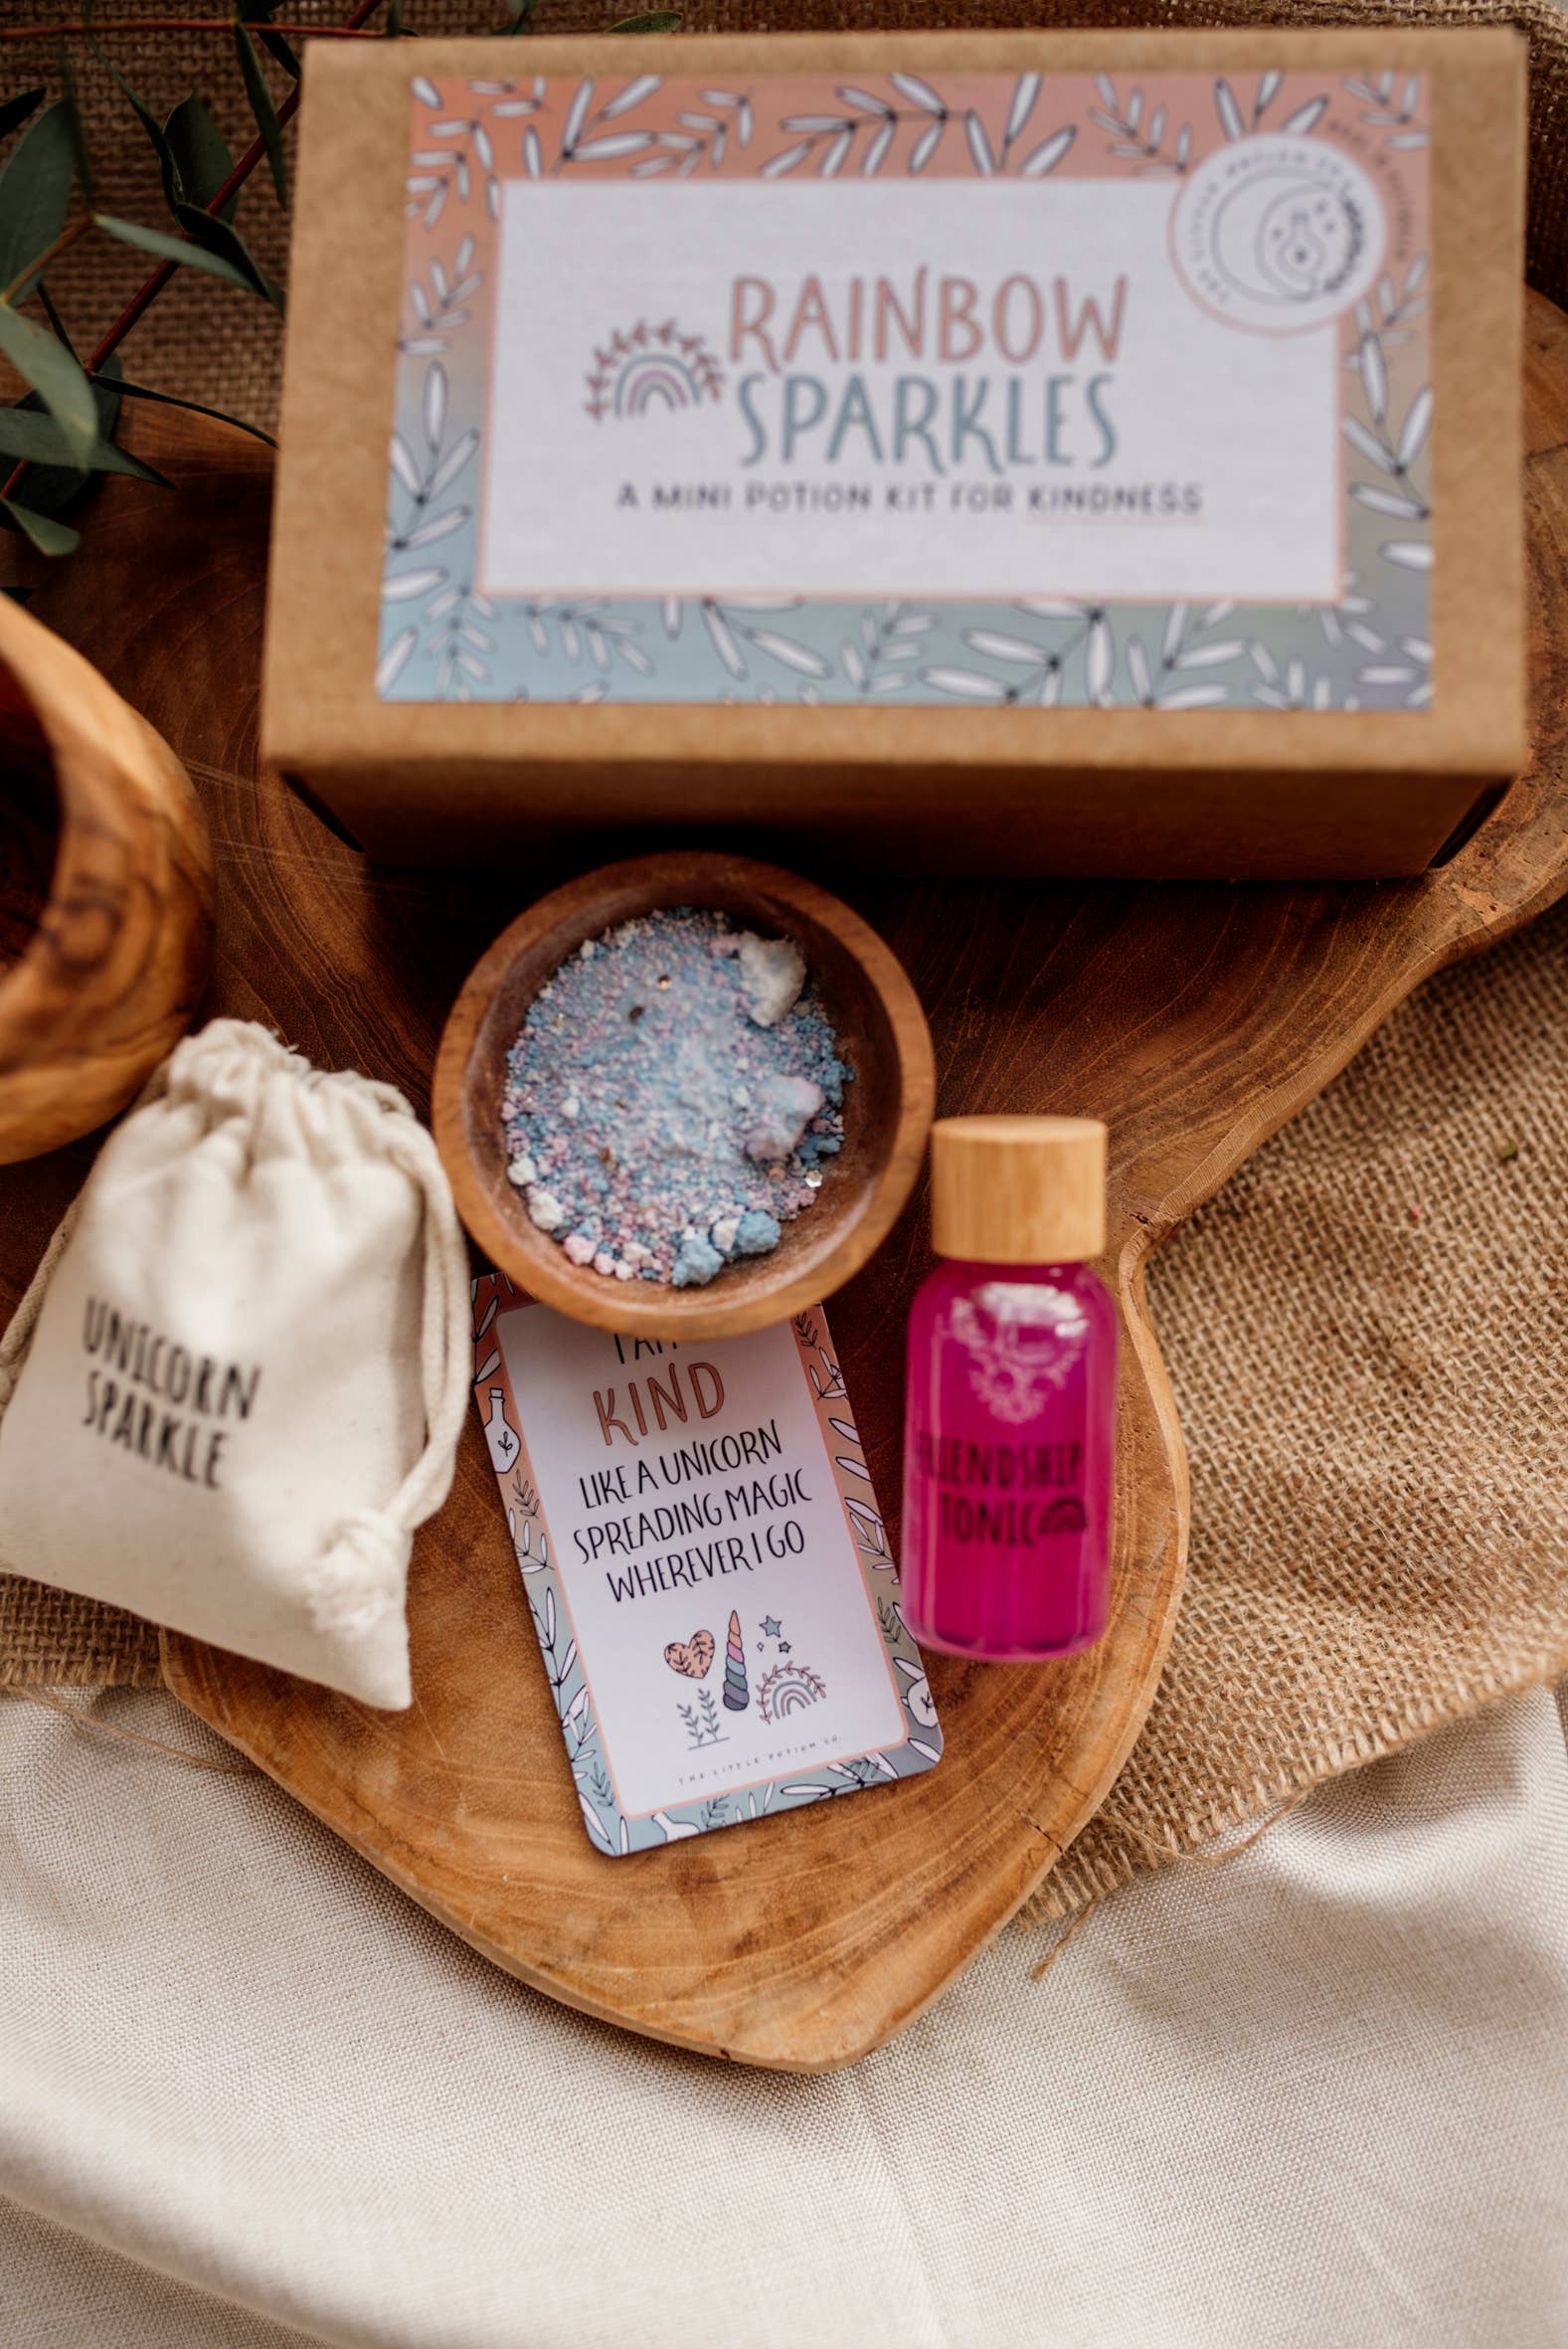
887 1110
106 895
1193 1018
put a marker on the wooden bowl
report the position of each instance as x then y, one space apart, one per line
106 895
886 1109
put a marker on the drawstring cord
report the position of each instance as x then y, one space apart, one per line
361 1573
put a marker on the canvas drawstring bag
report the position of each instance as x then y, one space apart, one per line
237 1383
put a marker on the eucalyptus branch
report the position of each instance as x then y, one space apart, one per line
179 24
147 293
141 391
48 165
255 153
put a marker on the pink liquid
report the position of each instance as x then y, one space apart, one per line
1008 1442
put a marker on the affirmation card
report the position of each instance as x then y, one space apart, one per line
705 1565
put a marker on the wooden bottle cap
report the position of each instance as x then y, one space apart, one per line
1019 1191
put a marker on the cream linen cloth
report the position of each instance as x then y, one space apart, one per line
1316 2098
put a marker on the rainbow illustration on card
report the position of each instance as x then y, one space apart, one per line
788 1688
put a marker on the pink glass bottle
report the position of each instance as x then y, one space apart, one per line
1010 1424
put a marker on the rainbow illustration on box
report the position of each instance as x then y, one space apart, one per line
982 389
707 1570
652 367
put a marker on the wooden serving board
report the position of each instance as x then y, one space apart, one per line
1195 1019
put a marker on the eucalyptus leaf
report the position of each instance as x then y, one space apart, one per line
35 194
68 91
57 489
140 391
150 124
180 248
651 20
201 156
14 111
108 385
222 242
49 536
261 107
57 322
276 47
258 11
32 434
55 375
193 155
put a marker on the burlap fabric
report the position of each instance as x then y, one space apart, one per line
1365 1330
1366 1335
221 349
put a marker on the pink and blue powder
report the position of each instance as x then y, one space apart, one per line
672 1097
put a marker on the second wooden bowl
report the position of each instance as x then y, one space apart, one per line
886 1109
106 895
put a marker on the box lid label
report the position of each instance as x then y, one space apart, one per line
989 389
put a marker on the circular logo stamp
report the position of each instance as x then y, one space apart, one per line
1277 235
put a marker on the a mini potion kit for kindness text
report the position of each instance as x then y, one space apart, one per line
706 1566
1070 452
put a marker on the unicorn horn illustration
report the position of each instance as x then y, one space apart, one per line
737 1696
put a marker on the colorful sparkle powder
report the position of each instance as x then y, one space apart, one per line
671 1096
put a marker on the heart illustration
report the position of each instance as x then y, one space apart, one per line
690 1656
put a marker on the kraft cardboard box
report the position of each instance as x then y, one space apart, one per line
1080 453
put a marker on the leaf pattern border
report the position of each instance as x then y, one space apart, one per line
441 640
611 1830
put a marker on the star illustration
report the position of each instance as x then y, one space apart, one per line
771 1626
